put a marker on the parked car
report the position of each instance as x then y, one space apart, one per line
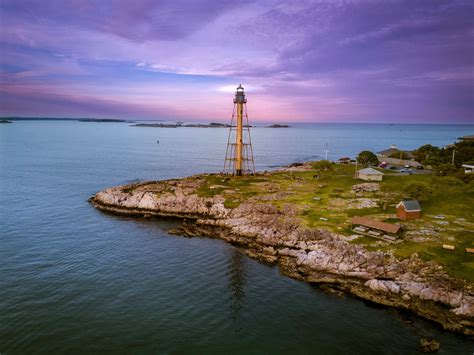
407 166
393 167
405 170
419 167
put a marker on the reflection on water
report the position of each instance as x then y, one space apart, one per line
236 286
75 280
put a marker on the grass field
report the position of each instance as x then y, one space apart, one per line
323 199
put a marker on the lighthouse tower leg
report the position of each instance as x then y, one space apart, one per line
238 141
239 155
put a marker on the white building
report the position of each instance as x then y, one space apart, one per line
369 174
468 169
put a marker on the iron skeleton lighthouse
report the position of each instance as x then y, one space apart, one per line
239 154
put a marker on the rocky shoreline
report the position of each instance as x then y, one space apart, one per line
276 236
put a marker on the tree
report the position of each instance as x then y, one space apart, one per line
418 191
464 153
431 155
367 158
427 154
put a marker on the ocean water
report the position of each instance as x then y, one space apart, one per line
76 280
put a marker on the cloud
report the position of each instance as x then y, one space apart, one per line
307 60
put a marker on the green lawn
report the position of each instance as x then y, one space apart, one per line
317 193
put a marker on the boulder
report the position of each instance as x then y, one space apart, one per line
428 345
366 187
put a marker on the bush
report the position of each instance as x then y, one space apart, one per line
367 158
466 178
445 169
322 165
418 191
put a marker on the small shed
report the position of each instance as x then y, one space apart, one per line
408 209
468 169
369 174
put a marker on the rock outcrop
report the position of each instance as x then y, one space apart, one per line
276 236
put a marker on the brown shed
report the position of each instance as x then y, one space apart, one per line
373 224
408 209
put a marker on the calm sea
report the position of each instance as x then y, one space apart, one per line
75 280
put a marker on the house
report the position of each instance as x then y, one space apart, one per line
468 169
344 160
394 152
408 209
372 228
387 152
369 174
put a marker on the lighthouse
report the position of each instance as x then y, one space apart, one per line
239 154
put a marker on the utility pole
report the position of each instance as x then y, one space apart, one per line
454 152
326 151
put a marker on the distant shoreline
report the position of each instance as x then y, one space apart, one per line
198 125
118 120
85 119
65 119
178 125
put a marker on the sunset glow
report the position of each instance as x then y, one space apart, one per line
305 61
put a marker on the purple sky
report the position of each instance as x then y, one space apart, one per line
315 61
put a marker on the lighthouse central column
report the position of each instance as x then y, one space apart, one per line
238 143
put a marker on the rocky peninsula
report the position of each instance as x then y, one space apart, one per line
268 215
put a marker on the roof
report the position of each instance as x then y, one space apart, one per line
389 151
369 171
410 205
394 151
345 158
468 166
372 223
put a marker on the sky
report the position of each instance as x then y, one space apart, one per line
379 61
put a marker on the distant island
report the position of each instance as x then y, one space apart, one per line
197 125
278 126
100 120
63 119
5 121
180 124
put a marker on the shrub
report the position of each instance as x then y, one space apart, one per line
322 165
418 191
367 158
445 169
